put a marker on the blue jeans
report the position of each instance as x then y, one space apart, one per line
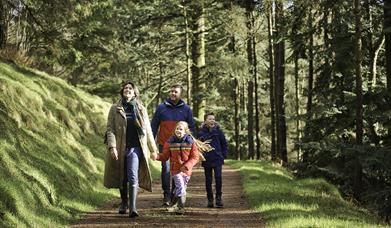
132 164
208 180
166 177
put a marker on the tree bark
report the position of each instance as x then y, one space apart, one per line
297 48
280 80
237 118
307 130
198 58
297 103
250 90
358 57
188 55
359 103
257 126
160 86
368 17
250 121
387 34
273 153
236 92
373 61
3 25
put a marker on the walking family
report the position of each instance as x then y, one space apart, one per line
130 139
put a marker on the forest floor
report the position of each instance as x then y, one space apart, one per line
236 211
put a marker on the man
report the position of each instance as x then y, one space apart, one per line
167 114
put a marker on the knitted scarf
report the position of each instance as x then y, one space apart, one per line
133 105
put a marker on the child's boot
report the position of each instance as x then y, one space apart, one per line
181 205
210 201
174 204
219 201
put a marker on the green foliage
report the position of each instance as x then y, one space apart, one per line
335 161
285 201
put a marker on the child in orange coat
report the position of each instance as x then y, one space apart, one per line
182 151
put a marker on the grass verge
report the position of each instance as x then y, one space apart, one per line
285 201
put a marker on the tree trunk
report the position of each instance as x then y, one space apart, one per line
257 127
359 103
237 118
250 121
297 103
161 72
250 89
368 17
358 56
3 25
373 60
297 48
188 54
198 58
271 81
307 130
280 80
387 34
75 76
236 99
243 97
387 37
159 89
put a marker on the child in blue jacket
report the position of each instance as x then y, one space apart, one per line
210 130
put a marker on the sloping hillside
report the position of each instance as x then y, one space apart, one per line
51 149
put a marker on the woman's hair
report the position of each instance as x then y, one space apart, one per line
136 92
202 146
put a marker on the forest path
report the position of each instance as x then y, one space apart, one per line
236 211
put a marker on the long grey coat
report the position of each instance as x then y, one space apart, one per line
116 137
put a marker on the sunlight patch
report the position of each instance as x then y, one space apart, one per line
288 206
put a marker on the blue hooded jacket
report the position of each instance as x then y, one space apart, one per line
218 142
166 116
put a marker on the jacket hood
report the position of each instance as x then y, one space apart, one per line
185 139
205 128
169 103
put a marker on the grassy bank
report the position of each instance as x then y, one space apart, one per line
51 150
285 201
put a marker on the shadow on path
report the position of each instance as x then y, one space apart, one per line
236 211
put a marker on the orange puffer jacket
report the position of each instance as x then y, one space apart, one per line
181 152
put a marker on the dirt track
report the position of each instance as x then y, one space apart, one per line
236 211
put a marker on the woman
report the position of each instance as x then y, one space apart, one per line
129 140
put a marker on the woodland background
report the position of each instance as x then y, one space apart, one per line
303 83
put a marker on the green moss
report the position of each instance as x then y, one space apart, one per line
285 201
